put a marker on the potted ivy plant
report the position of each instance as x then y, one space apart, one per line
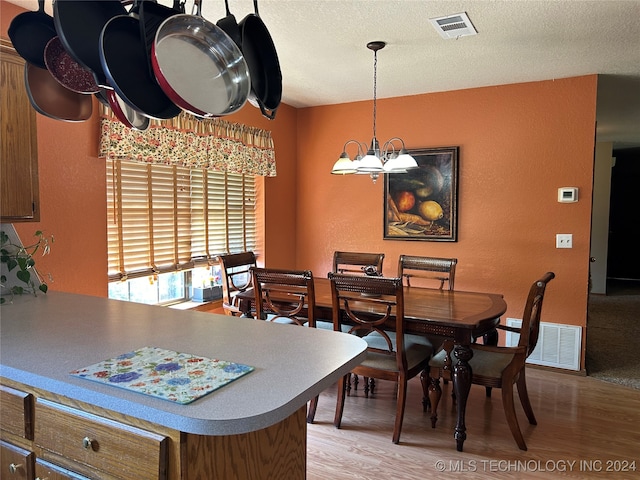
20 258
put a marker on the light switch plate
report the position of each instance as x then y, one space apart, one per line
564 240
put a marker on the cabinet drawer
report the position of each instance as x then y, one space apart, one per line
85 439
15 463
16 412
49 471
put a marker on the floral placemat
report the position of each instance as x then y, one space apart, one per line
177 377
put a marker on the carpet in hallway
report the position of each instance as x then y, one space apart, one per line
613 339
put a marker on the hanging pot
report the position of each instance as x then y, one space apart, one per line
230 26
199 67
264 67
125 63
152 15
53 100
79 24
127 115
66 70
29 32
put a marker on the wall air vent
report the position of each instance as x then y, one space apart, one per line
558 345
454 26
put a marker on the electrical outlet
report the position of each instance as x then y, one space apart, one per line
564 240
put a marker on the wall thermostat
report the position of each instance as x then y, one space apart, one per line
568 194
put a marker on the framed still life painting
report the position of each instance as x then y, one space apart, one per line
422 203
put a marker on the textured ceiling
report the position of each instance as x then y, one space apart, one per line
321 45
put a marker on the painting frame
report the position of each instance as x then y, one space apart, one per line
422 204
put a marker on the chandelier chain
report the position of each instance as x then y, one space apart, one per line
375 88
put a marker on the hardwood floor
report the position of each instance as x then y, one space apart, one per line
586 428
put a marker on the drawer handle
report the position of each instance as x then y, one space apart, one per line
87 443
13 468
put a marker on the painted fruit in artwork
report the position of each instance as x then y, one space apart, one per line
405 201
432 182
431 210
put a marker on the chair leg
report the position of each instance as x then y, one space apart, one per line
342 387
488 391
524 398
510 413
400 405
435 392
424 380
311 413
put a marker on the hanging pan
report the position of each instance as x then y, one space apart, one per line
152 15
199 67
264 67
125 63
230 26
79 24
29 32
53 100
127 115
66 70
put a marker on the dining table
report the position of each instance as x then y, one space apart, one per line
461 316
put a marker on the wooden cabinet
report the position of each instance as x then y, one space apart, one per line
96 443
52 437
16 412
44 439
15 462
19 191
49 471
16 427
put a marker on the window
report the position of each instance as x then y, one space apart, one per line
164 221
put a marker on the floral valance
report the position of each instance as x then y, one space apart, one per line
190 142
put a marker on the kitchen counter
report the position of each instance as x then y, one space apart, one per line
46 337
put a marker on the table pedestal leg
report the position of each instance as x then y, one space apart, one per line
461 385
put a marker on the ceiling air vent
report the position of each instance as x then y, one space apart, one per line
454 26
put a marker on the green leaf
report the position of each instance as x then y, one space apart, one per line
3 278
2 300
11 264
22 262
23 275
43 288
17 290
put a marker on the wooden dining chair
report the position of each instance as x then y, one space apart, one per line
236 278
286 296
358 263
502 367
428 270
368 306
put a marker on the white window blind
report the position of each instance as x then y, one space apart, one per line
166 218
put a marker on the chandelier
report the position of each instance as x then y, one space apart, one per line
392 158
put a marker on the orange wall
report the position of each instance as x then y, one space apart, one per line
518 144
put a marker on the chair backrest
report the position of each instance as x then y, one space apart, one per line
366 304
358 263
430 268
530 328
236 274
284 294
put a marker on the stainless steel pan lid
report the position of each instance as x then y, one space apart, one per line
199 66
